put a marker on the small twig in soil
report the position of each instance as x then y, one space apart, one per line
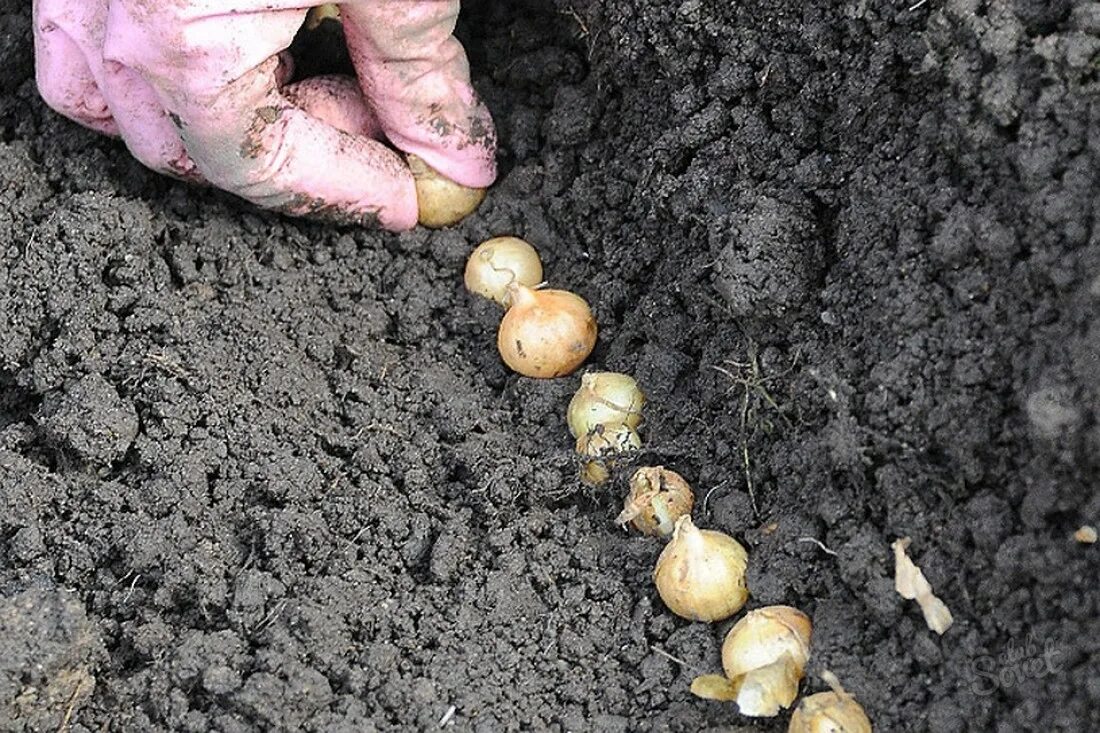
165 363
80 687
819 543
744 411
572 13
131 591
332 553
764 76
748 477
584 34
377 426
122 580
753 391
681 662
267 620
707 497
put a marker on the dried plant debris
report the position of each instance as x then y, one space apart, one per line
910 583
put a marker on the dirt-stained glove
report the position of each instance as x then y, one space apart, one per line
196 90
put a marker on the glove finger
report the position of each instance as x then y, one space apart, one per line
146 128
62 71
417 78
337 101
241 131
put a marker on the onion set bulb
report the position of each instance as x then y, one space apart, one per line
657 498
700 575
497 263
601 447
829 712
764 656
545 333
605 398
441 202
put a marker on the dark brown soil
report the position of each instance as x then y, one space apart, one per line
258 473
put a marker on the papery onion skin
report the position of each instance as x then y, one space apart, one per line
658 497
595 473
605 398
497 263
765 655
791 634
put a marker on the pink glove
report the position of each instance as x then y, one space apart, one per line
195 89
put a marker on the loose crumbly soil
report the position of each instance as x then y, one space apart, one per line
258 473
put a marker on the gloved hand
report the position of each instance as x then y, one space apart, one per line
196 90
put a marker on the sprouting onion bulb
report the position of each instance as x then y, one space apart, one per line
605 398
700 575
600 449
764 656
545 333
497 263
657 498
441 201
829 712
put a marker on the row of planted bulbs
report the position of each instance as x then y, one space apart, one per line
700 574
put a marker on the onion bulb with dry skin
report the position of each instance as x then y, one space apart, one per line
605 398
764 656
441 201
601 447
545 333
657 498
829 712
497 263
700 575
